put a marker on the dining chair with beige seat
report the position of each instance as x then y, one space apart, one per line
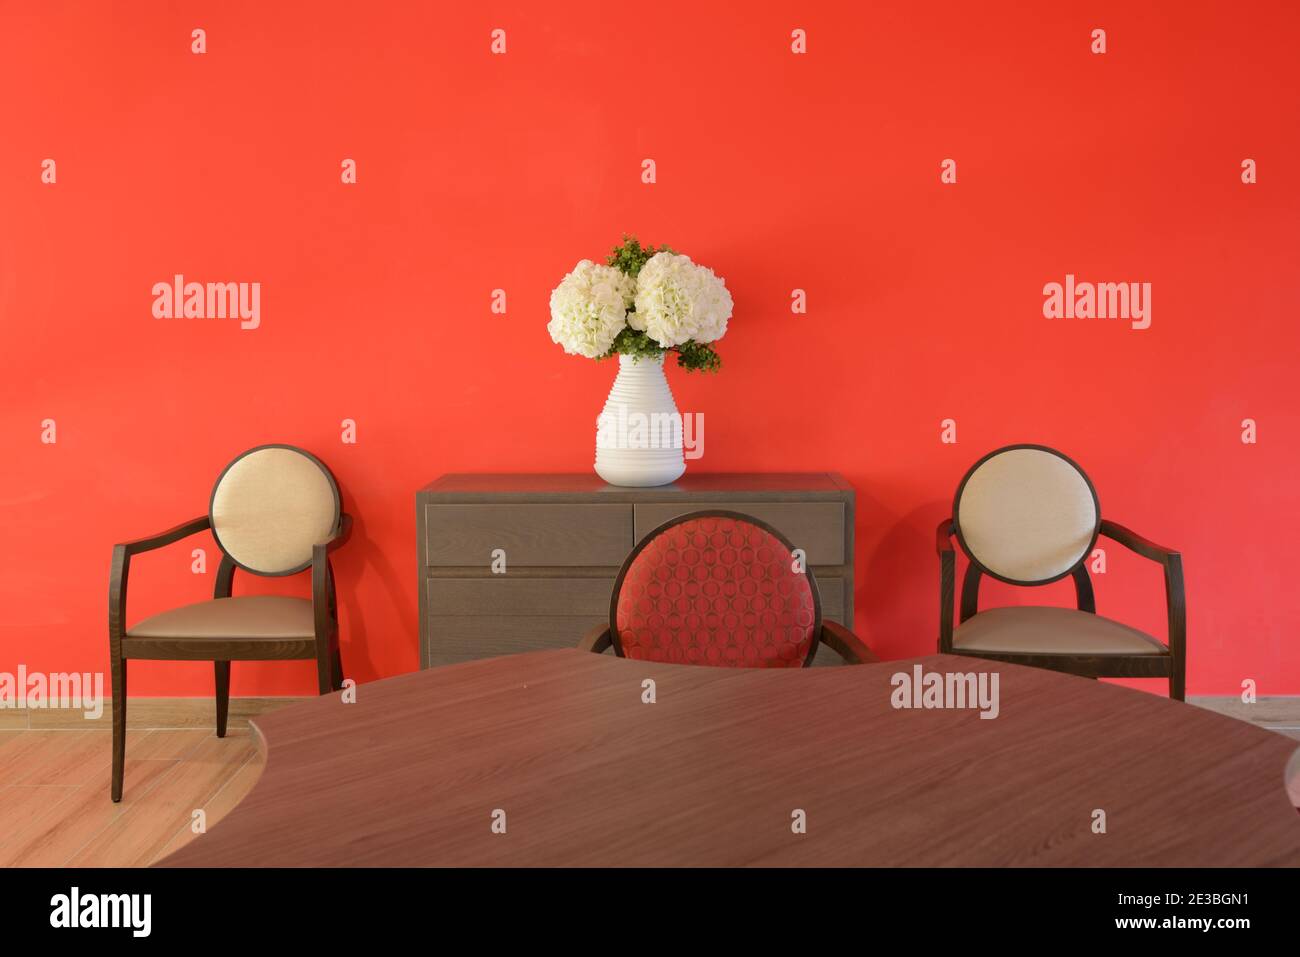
274 511
1029 515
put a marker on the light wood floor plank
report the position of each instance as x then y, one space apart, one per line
221 804
150 713
70 757
61 753
51 841
21 751
135 837
24 807
1270 709
168 743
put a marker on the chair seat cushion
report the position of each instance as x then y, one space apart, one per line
1051 631
251 616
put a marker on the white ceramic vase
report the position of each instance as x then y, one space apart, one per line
639 432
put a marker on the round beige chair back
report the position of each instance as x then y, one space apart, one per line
1026 514
270 506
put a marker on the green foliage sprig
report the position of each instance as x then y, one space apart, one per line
631 255
698 357
692 356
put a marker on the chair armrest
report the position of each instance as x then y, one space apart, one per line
596 640
1136 543
943 537
1175 594
846 644
174 534
121 567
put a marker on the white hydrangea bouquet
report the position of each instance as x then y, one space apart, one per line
641 305
643 302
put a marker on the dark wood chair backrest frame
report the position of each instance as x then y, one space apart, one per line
976 569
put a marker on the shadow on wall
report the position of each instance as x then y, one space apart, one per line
900 575
361 555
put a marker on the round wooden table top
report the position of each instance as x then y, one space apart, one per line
561 751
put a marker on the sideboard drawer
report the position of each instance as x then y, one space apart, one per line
520 597
530 535
457 638
816 527
831 591
585 598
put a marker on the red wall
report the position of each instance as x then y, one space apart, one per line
780 171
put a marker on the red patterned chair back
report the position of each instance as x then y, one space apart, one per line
716 588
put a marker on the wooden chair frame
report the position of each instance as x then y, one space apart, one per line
838 638
323 647
1171 665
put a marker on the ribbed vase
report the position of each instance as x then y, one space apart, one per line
639 432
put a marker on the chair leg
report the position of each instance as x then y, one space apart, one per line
119 727
324 670
223 695
1177 682
338 669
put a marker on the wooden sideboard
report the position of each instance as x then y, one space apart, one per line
564 537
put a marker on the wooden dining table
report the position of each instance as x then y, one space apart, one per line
567 758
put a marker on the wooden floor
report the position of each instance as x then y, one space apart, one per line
54 804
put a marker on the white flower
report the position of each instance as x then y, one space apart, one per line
589 308
676 301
